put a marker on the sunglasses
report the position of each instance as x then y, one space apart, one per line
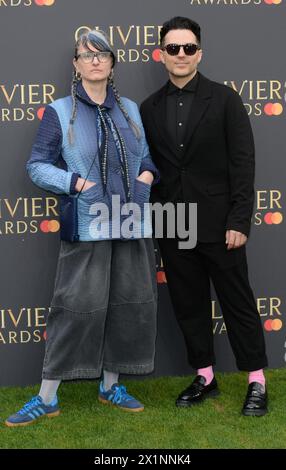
174 49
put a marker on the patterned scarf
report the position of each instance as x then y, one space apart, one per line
105 124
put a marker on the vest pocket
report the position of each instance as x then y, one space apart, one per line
141 192
92 194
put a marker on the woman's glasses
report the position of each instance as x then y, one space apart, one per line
88 57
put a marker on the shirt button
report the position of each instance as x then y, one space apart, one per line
180 104
180 123
181 145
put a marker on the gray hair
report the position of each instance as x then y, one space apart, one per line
99 40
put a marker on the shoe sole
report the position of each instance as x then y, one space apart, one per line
256 413
108 402
184 404
48 415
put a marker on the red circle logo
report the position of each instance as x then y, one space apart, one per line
156 55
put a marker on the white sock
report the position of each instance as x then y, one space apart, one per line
109 378
48 390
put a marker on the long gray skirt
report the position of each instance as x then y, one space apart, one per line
103 311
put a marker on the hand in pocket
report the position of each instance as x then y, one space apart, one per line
146 177
87 184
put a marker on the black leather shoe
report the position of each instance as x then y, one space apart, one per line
256 399
197 392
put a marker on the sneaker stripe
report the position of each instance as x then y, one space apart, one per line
31 415
119 397
36 413
41 411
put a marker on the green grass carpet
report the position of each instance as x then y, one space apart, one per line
215 424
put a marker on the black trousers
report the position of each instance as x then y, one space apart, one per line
188 274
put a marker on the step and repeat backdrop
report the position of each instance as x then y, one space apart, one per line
243 43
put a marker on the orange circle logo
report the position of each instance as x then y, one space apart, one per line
277 218
54 226
276 324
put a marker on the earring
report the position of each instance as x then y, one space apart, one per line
78 76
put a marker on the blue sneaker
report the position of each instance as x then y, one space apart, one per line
32 410
118 396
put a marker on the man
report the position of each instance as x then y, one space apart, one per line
201 141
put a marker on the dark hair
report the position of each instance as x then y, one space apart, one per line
180 22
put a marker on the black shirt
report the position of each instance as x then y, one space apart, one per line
178 109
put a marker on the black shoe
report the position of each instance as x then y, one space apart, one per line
197 392
256 399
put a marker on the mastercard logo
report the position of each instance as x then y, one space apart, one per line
44 3
161 277
273 109
272 2
273 218
273 325
49 226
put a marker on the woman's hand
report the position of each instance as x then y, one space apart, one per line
146 177
87 184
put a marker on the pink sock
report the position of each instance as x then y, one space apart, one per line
257 376
207 373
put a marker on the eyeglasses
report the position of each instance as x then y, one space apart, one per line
88 57
174 49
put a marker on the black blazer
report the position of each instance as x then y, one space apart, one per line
216 170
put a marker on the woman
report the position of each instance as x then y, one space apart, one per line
103 311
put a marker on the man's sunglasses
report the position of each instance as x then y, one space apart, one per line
174 49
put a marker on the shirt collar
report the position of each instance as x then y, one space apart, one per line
191 86
83 96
